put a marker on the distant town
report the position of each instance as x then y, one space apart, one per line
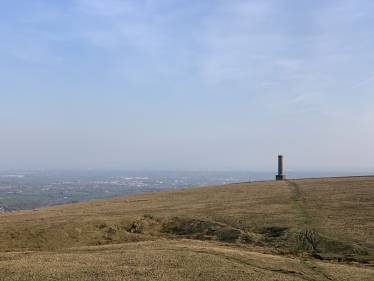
35 189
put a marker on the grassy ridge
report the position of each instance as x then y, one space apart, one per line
298 220
246 207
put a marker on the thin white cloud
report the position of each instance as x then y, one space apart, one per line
305 111
303 98
276 64
288 66
231 40
358 85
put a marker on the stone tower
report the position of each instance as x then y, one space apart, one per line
280 175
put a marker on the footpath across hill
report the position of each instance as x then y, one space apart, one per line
308 229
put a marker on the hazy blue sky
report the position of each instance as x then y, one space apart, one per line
165 84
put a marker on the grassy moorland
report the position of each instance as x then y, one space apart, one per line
310 229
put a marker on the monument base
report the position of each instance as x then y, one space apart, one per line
280 177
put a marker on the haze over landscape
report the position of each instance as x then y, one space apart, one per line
186 140
186 84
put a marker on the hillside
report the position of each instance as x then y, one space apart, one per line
310 229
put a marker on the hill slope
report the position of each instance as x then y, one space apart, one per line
274 229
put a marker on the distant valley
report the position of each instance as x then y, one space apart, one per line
22 190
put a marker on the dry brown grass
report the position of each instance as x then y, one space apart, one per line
169 260
342 205
236 225
341 209
247 207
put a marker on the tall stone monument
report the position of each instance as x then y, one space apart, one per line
280 175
